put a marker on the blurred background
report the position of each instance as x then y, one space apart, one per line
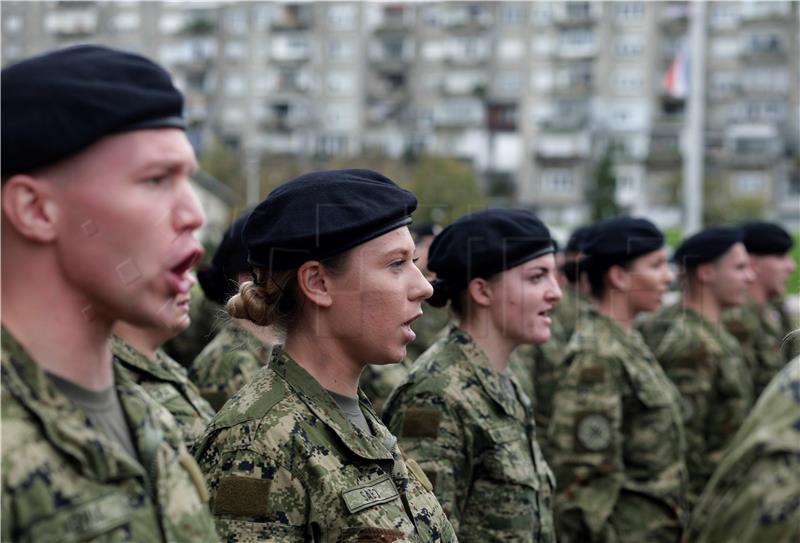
575 110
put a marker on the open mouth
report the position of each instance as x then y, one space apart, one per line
407 324
179 279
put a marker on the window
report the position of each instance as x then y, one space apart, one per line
340 49
342 16
631 46
541 13
508 83
558 181
13 24
340 83
542 45
234 85
235 50
126 21
628 82
512 14
723 48
724 14
765 42
723 83
749 182
628 12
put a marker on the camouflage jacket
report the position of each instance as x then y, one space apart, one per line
568 312
63 480
754 495
758 330
283 463
707 366
617 443
654 326
536 368
166 382
226 364
474 436
428 329
378 381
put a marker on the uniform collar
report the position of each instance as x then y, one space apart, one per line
490 379
375 447
131 357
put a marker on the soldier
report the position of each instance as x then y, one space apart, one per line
756 324
97 223
240 348
298 454
754 494
138 352
461 414
701 358
616 436
576 291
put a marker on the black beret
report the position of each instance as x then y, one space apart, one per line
706 246
323 214
576 239
57 104
219 281
766 238
483 243
619 240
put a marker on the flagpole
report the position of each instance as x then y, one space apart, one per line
693 141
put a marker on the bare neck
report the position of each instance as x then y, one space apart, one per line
56 325
615 305
268 335
495 346
700 300
321 355
145 340
757 293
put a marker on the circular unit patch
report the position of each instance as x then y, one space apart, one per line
594 432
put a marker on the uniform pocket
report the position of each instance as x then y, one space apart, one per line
88 520
508 455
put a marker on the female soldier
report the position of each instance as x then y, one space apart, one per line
298 454
461 413
616 434
240 348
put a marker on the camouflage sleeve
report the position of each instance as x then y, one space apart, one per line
433 435
585 436
759 503
255 499
693 370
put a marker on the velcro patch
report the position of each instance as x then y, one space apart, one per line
421 422
242 497
593 432
379 535
381 490
590 376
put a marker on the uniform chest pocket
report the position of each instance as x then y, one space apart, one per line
376 492
163 394
508 456
98 517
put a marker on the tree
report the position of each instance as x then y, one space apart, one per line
223 163
446 188
602 193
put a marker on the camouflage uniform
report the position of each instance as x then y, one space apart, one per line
284 463
536 368
379 380
63 480
228 363
567 312
474 436
428 329
754 495
616 436
166 382
654 326
790 346
758 329
707 366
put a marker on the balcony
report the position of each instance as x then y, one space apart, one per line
763 48
468 16
563 146
395 17
293 17
390 53
459 113
575 14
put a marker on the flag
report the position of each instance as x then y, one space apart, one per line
676 80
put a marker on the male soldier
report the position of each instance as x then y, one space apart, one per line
241 348
703 360
757 325
138 352
753 494
97 224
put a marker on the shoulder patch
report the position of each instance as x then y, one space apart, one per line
589 376
593 431
421 422
242 497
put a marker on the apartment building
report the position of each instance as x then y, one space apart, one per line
533 93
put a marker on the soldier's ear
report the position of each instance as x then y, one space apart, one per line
314 283
706 273
30 207
618 277
480 291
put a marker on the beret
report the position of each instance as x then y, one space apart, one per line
576 239
766 238
322 214
619 240
483 243
706 246
57 104
219 281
